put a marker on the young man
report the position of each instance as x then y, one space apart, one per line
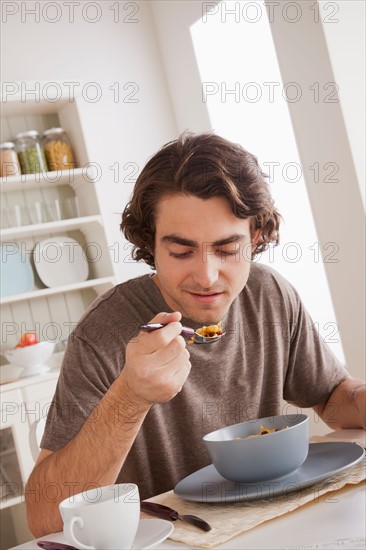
133 407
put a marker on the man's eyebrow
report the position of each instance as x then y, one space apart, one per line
232 239
174 239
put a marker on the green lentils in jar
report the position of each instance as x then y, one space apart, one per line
31 153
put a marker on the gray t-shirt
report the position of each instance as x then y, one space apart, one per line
271 351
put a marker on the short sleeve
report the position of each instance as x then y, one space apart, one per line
95 356
84 379
313 371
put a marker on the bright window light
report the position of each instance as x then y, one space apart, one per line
247 104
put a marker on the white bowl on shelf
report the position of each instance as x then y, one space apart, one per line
31 358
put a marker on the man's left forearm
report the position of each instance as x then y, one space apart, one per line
346 407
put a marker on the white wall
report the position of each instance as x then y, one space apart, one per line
321 136
346 44
343 26
105 52
173 21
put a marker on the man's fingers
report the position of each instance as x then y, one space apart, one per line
152 341
163 356
165 318
157 363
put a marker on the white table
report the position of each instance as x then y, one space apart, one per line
335 516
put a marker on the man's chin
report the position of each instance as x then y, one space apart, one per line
205 317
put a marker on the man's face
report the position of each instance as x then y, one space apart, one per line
202 255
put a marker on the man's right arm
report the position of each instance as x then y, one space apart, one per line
94 457
156 368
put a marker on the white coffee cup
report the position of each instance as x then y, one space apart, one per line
102 517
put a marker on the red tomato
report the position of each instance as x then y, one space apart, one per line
28 339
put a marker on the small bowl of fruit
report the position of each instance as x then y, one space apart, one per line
30 354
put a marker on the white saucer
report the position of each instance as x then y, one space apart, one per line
150 532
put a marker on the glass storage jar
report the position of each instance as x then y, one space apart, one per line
58 149
9 162
30 152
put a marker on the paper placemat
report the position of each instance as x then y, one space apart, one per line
231 519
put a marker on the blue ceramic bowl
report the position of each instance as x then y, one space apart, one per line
260 458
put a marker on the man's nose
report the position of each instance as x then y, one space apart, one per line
206 273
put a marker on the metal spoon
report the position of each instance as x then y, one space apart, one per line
164 512
186 331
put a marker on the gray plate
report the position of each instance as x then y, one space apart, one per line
324 460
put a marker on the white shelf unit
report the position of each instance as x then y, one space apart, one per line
33 208
51 312
22 402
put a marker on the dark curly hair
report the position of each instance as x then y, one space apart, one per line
205 166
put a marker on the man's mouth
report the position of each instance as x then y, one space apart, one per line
205 293
207 297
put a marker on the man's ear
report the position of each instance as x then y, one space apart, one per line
256 237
